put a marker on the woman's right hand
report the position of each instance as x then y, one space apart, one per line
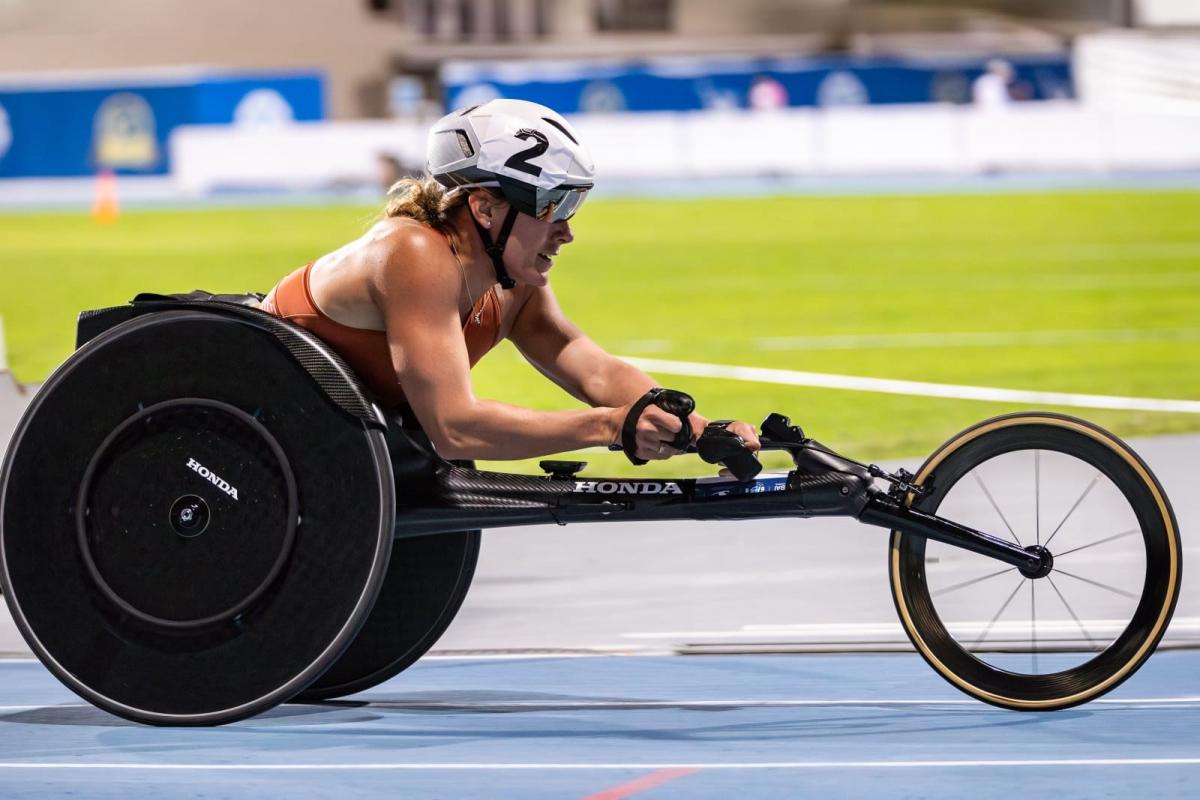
656 430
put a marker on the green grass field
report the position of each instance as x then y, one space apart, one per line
731 282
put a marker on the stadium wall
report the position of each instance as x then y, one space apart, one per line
1140 71
697 83
67 124
920 139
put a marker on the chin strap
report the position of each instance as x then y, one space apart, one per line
495 250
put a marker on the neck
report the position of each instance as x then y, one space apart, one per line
480 272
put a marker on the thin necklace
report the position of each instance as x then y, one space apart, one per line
466 285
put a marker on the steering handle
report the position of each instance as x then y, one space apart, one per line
719 445
716 444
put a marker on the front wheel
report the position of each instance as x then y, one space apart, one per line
1039 644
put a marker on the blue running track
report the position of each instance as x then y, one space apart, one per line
613 727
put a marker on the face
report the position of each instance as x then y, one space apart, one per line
532 247
532 244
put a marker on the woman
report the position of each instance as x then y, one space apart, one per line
460 261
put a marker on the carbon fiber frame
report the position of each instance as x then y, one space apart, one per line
462 498
458 499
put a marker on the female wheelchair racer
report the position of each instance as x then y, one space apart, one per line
205 511
461 261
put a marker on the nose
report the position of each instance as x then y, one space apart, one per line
564 234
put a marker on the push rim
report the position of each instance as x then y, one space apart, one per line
184 527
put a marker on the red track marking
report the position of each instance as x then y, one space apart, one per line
642 783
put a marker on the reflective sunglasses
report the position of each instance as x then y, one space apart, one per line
546 205
560 203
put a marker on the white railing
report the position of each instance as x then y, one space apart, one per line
1060 136
1140 70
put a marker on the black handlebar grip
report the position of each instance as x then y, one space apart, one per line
718 445
681 405
743 465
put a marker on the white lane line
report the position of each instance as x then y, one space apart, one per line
601 651
971 339
914 388
740 765
859 630
559 705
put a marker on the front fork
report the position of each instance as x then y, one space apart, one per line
887 512
854 492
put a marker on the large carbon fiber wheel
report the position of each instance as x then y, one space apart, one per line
1053 484
191 530
426 582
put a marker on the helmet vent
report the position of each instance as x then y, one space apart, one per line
465 144
560 126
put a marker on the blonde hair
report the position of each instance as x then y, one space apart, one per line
425 200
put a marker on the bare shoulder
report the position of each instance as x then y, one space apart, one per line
405 253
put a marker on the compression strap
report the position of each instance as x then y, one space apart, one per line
671 401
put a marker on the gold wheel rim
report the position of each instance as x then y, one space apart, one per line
1164 612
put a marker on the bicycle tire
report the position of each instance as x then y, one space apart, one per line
1138 636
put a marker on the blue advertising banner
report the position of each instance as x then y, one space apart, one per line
692 84
67 128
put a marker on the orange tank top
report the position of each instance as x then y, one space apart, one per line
366 351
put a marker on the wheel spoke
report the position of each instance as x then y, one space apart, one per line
1037 495
1098 542
1033 621
979 480
1089 488
988 629
949 589
1071 611
1095 583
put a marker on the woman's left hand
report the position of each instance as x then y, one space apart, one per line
742 429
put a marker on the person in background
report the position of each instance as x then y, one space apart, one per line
990 92
766 93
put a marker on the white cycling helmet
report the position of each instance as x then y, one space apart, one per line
525 150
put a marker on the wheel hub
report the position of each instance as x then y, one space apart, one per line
1040 568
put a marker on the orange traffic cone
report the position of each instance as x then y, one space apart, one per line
105 207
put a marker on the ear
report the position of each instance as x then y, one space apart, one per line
485 207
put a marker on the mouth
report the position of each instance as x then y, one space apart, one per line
546 259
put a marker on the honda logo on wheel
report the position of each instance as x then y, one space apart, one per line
210 476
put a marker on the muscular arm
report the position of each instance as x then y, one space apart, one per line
567 356
415 284
562 352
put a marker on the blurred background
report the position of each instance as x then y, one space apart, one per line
886 219
203 98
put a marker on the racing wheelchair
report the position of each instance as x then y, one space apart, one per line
203 514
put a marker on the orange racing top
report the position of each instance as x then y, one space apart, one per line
366 351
